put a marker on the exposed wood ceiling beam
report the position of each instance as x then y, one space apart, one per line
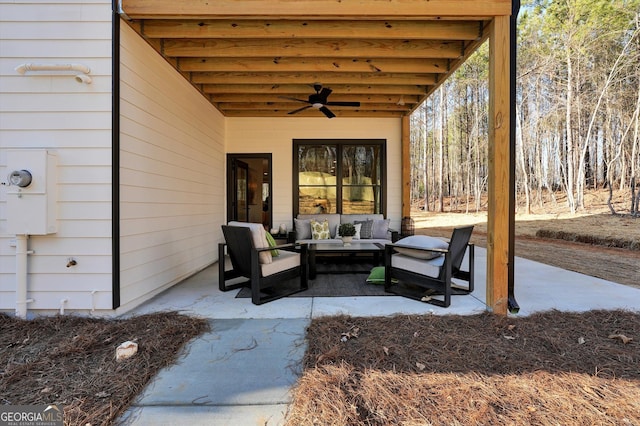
181 9
337 97
227 106
282 64
337 89
382 29
325 78
313 48
311 112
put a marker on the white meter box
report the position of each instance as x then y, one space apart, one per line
32 195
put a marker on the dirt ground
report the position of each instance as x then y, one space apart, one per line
621 265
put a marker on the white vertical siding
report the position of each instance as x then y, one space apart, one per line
172 178
260 135
43 110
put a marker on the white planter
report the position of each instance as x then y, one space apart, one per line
347 240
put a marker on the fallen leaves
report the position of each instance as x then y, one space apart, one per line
624 339
330 355
351 334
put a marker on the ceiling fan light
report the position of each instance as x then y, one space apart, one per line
317 105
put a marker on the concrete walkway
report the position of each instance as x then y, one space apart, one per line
242 371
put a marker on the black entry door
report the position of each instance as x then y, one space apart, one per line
249 188
239 195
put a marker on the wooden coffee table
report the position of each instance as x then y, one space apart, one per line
361 247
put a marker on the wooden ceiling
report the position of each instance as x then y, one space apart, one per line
246 55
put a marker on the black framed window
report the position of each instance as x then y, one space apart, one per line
339 176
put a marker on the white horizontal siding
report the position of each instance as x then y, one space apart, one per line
87 266
69 11
171 174
55 30
66 138
259 135
95 302
78 301
66 102
51 110
57 120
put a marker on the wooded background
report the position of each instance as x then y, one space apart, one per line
577 121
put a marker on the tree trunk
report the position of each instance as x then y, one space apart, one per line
525 178
440 130
425 180
569 160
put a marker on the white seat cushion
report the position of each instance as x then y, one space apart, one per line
286 260
430 268
418 245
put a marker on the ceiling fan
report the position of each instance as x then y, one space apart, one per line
319 101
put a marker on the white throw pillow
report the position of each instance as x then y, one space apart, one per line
258 234
414 242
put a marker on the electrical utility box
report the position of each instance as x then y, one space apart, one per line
32 192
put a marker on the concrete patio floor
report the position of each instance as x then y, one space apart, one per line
242 371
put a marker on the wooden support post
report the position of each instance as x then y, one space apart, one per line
500 212
406 166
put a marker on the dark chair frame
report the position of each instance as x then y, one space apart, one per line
412 284
244 258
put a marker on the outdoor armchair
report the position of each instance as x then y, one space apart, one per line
271 272
422 268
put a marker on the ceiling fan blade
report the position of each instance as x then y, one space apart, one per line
299 109
326 111
350 104
324 94
293 99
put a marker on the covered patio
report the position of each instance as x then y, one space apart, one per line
261 58
540 288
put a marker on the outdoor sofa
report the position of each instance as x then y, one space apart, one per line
373 228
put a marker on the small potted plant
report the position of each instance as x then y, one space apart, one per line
346 231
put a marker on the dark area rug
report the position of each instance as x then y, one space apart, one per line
336 280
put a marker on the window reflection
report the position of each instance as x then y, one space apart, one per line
339 177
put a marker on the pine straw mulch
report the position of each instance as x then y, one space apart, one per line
70 361
551 368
